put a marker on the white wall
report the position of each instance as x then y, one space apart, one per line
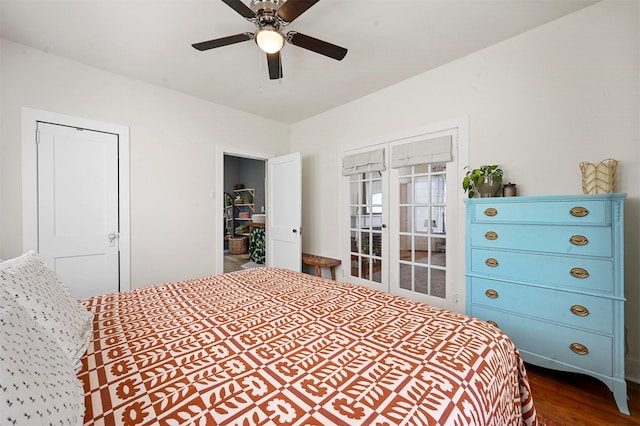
538 104
173 141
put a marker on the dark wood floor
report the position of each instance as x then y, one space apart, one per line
575 400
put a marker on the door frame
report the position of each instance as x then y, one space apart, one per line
218 193
30 119
456 244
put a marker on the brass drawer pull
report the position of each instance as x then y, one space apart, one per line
579 273
579 348
579 211
491 235
491 294
579 240
491 262
579 310
491 211
493 323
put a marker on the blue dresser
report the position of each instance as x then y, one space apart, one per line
549 272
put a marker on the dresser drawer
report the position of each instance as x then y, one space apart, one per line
553 341
549 270
572 240
577 310
585 212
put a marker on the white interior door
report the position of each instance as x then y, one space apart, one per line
284 212
78 207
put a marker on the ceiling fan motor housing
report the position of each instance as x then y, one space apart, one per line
266 5
266 16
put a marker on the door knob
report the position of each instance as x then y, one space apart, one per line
112 239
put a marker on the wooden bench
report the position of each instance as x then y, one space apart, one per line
321 262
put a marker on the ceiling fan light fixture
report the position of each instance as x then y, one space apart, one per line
270 17
269 40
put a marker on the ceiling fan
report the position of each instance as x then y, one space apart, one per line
270 17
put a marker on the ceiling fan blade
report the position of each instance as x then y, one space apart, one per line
294 8
224 41
241 8
315 45
275 65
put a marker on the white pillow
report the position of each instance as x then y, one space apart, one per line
38 384
49 303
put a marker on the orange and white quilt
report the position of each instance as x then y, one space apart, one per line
273 347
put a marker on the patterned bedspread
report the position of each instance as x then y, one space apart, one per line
273 347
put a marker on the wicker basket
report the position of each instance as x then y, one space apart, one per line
237 245
599 178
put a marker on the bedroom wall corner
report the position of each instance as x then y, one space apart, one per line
173 139
562 93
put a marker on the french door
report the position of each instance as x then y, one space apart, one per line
419 243
398 203
368 230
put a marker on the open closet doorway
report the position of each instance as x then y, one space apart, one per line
280 194
244 236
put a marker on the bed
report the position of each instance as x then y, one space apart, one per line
268 346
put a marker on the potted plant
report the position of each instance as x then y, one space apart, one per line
485 181
246 198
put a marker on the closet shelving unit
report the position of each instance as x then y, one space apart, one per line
229 223
243 208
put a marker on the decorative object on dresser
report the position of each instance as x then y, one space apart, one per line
549 272
509 190
485 181
599 178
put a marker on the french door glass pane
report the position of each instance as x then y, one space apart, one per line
422 222
438 283
421 168
405 270
406 220
366 226
422 229
421 251
421 276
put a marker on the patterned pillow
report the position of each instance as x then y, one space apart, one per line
38 384
49 303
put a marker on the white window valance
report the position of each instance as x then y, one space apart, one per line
436 150
370 161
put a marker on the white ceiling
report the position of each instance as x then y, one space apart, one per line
388 41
